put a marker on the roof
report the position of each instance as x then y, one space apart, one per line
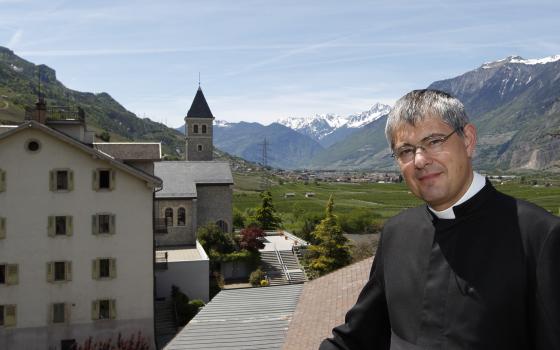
323 305
199 107
250 318
131 150
181 177
154 181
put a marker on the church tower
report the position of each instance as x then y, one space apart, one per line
198 130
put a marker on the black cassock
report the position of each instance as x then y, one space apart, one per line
488 279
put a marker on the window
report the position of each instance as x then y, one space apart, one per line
204 128
103 224
168 217
59 313
104 268
181 215
60 225
61 180
9 274
8 315
68 344
103 179
2 228
2 180
32 145
59 271
199 148
195 129
104 309
222 225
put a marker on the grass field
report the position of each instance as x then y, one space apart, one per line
380 200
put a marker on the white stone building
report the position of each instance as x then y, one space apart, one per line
76 238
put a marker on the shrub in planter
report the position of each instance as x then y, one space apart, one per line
256 277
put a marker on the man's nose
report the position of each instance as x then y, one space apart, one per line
421 158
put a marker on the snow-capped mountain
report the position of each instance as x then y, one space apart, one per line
321 126
519 59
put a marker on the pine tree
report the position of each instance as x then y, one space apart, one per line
266 217
332 250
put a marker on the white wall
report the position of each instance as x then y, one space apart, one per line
27 203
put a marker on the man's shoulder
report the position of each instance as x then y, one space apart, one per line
529 212
412 216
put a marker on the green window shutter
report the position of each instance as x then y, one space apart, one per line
94 226
2 228
112 224
69 226
113 268
113 179
51 226
66 312
50 272
2 180
51 313
95 269
95 182
10 312
68 270
95 310
12 277
52 180
70 180
112 309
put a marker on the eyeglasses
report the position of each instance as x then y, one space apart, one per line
431 145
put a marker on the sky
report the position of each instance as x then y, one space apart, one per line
260 61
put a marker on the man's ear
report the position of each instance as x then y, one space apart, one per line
469 132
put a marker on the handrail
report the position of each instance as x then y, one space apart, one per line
284 267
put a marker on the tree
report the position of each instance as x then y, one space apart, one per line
213 239
332 250
238 219
251 238
266 217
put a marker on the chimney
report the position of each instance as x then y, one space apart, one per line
40 112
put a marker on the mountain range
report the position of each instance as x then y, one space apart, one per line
514 103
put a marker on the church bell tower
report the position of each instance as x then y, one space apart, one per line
199 145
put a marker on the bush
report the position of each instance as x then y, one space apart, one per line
256 277
186 309
251 238
238 219
134 342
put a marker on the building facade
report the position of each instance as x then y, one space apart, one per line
76 239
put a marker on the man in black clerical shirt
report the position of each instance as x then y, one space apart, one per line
472 268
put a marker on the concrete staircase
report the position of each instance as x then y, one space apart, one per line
164 321
282 267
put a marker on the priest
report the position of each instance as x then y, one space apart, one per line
472 268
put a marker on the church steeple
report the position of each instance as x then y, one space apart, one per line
199 107
198 130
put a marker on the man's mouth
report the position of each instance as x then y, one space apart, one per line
427 177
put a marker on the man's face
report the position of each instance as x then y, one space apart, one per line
439 179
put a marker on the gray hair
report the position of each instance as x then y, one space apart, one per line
420 104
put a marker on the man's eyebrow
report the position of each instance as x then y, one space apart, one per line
422 140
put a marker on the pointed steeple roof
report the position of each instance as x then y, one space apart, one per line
199 107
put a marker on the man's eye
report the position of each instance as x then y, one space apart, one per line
405 152
434 142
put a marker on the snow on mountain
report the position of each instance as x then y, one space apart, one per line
222 123
322 125
519 59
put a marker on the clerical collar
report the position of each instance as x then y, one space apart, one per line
477 184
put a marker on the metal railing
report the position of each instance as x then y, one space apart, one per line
59 113
161 261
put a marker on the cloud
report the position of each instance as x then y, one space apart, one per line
14 39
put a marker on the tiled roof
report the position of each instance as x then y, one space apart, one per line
323 305
199 107
250 318
131 151
181 177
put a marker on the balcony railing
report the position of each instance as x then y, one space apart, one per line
161 224
59 113
161 261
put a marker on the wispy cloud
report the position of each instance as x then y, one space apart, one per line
14 39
